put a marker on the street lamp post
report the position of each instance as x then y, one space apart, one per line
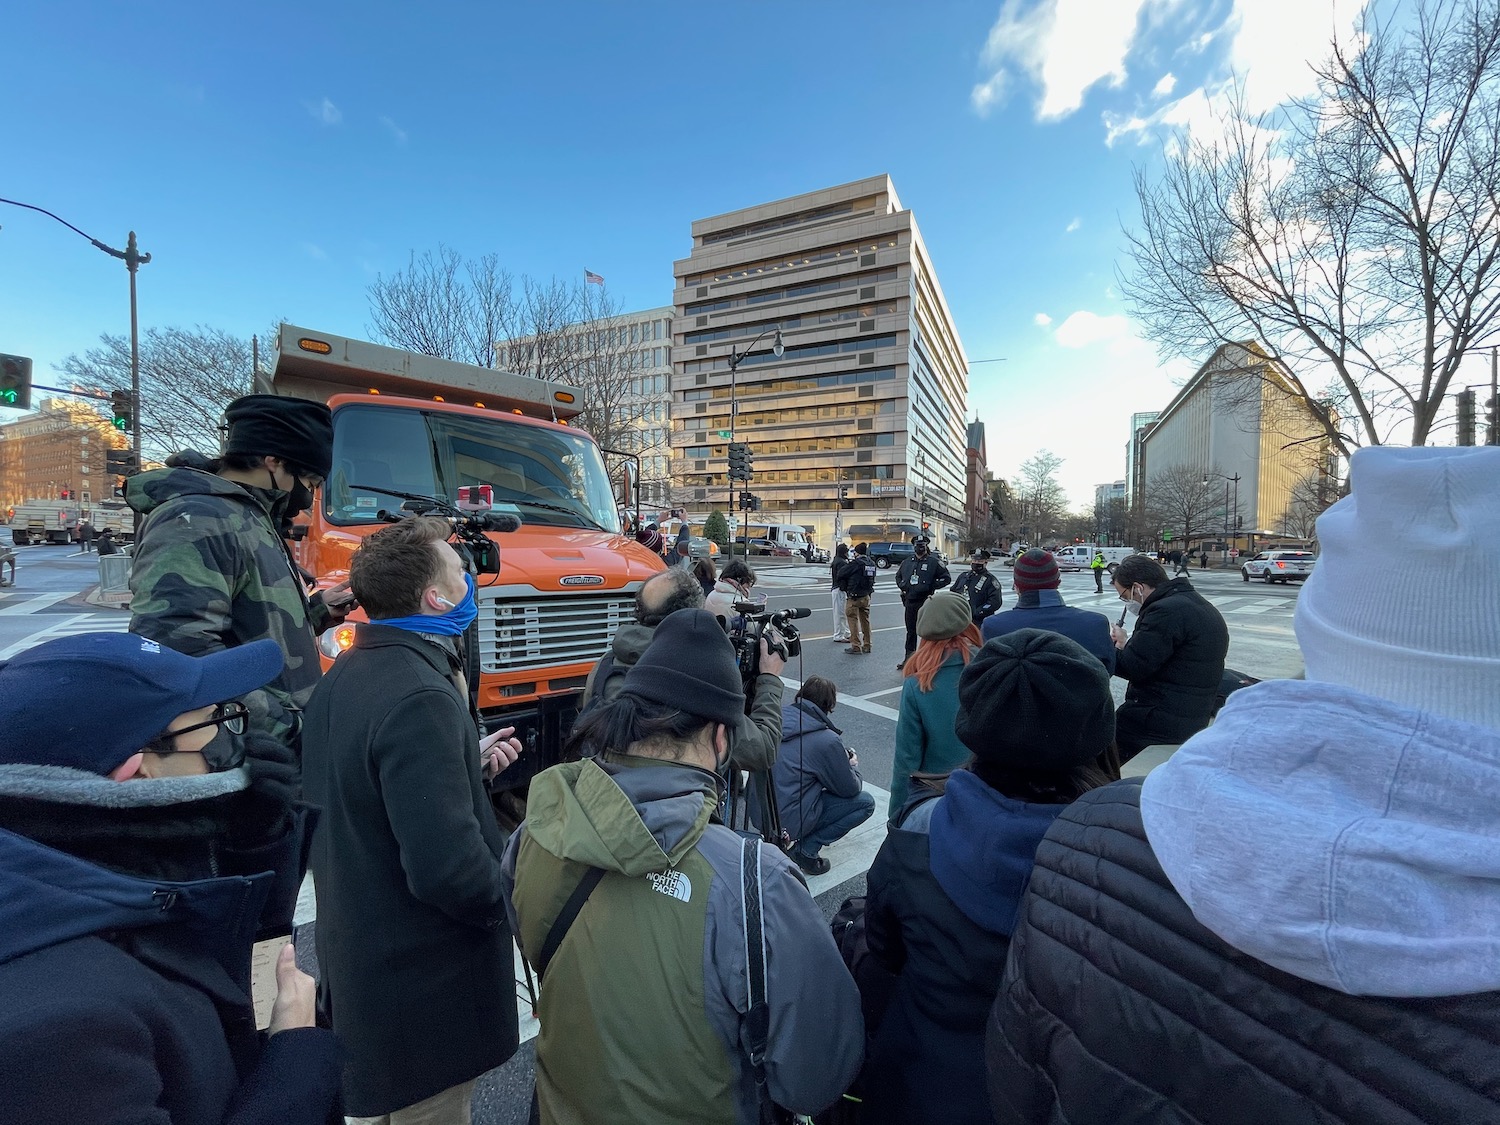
735 359
134 260
1235 519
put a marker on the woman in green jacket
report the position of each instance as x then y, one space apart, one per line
925 743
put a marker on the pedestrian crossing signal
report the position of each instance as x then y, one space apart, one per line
120 405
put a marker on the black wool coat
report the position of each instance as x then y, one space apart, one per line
1118 1006
1174 662
414 948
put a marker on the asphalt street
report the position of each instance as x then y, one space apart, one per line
48 600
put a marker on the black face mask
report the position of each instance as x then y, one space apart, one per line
978 568
225 752
299 499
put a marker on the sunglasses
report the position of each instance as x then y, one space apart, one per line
232 716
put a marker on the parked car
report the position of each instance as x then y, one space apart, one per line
757 546
890 553
1279 566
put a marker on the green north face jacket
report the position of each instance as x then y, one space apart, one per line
643 1005
210 572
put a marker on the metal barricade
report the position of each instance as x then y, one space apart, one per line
114 579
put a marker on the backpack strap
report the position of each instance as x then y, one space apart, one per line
758 1018
564 921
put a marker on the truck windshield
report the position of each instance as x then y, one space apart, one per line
551 477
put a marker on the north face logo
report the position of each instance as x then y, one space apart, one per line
673 884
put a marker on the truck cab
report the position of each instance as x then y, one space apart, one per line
408 423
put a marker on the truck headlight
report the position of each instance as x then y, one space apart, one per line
336 640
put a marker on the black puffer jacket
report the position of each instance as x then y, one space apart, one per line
1174 662
1118 1006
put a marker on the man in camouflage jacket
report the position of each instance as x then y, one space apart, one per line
210 569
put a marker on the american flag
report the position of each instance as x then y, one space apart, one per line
592 278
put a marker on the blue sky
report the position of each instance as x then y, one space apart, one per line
273 161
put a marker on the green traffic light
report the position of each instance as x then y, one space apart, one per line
9 394
120 424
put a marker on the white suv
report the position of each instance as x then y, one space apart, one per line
1279 566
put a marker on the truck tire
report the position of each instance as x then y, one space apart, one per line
882 562
19 537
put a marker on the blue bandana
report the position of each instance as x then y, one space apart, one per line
450 624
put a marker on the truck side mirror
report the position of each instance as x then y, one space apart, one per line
297 532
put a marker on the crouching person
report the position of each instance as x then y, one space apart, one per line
131 882
819 791
632 906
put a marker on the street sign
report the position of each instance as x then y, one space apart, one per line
724 434
734 524
1166 537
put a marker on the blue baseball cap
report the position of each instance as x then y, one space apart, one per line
51 695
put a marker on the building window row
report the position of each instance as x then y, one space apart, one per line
797 476
799 445
829 316
790 386
796 352
791 416
771 265
782 221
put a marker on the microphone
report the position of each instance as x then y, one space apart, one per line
499 521
796 614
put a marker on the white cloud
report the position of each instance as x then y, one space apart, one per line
1074 225
325 112
1164 86
397 133
1041 320
1084 328
1064 46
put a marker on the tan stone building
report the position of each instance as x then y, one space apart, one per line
871 389
1237 416
58 449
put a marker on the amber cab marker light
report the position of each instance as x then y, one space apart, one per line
562 396
321 347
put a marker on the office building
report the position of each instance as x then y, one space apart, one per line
1238 417
59 449
622 365
870 391
1139 423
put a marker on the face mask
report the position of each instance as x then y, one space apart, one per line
462 614
299 499
978 568
225 752
1133 608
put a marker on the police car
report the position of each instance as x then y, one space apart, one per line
1279 566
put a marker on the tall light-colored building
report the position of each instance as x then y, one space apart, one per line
58 449
1237 416
871 389
1140 422
627 358
1107 494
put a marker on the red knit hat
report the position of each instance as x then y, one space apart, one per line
1037 570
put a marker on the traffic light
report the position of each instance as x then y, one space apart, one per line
740 459
1492 421
1465 417
843 496
122 405
121 462
15 381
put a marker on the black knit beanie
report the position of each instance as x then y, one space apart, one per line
1035 701
293 429
690 664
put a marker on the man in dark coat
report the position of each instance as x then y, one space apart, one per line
131 882
1039 605
919 578
1294 918
1174 659
414 949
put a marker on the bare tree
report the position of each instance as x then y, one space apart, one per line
188 377
444 305
1310 496
1185 502
1039 500
1355 234
473 311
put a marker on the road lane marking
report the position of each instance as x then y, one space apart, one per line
67 627
41 601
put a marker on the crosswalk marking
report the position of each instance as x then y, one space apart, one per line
67 627
41 601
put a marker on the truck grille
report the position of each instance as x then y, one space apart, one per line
544 632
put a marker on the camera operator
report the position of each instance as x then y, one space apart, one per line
753 742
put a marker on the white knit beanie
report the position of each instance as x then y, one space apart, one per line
1404 603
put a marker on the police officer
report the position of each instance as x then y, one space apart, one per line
919 577
979 586
1097 566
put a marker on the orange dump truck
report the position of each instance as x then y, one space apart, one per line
405 422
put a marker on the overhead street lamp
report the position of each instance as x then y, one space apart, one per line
134 260
737 357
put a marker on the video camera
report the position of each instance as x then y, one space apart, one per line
468 527
753 621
